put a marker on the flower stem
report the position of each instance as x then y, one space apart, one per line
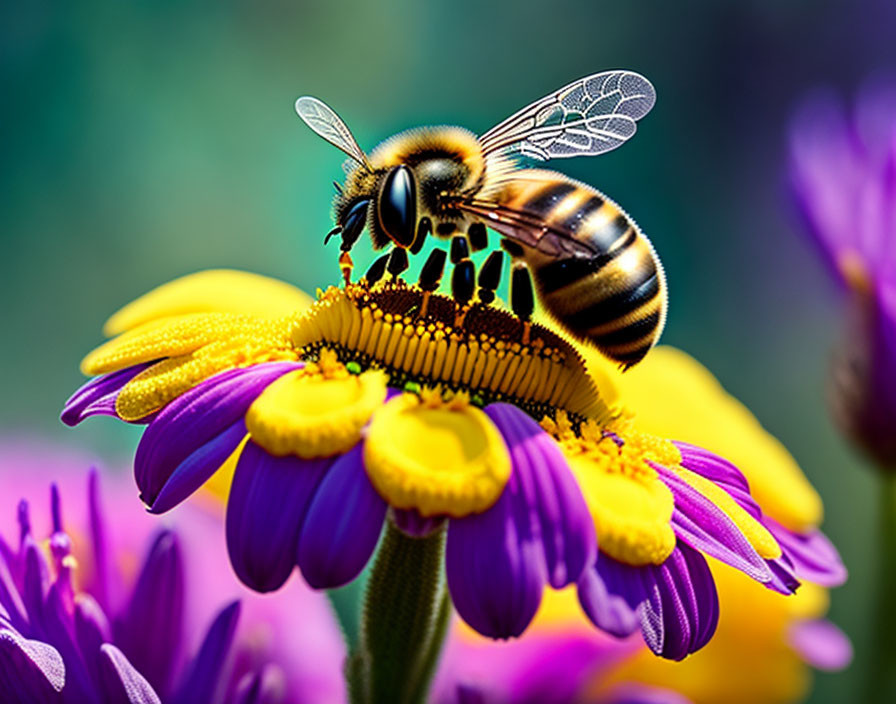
883 654
403 623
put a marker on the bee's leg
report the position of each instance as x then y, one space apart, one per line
522 298
430 276
463 278
478 236
424 230
490 277
345 265
398 261
377 270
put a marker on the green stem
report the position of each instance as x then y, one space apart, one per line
882 681
403 623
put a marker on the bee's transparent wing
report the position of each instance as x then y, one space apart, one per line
528 229
326 123
590 116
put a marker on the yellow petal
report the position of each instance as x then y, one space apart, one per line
215 290
674 396
444 460
181 335
631 513
312 416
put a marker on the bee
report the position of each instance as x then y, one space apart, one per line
594 271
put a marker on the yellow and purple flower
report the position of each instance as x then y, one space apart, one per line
843 176
387 401
763 645
82 620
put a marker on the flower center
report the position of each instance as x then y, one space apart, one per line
441 457
481 349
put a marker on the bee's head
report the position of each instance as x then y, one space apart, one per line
386 199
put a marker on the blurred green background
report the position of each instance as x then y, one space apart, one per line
145 140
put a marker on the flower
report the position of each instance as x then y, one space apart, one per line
843 178
683 502
83 620
390 400
561 660
761 653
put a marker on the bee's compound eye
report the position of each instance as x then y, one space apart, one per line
397 206
353 223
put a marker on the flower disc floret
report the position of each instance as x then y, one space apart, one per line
315 412
438 458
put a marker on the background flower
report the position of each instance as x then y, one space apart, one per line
291 641
843 176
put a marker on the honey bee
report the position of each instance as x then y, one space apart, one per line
594 270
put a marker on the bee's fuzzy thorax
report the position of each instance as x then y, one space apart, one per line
420 143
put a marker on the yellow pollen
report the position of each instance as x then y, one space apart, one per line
191 348
481 353
438 457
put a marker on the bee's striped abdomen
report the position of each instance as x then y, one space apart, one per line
615 299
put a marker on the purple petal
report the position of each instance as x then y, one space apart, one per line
36 582
30 671
203 681
560 518
97 397
150 630
342 526
198 467
720 472
10 599
265 687
195 418
91 631
268 501
103 583
821 644
704 526
610 593
58 628
469 694
813 556
784 580
121 682
630 693
495 566
682 607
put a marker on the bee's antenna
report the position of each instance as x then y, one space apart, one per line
335 231
338 187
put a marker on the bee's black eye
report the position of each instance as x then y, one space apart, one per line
353 223
397 206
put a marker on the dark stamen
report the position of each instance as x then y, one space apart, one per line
462 281
424 229
478 236
432 270
398 261
460 250
376 270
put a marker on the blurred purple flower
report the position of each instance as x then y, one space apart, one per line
843 176
74 628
